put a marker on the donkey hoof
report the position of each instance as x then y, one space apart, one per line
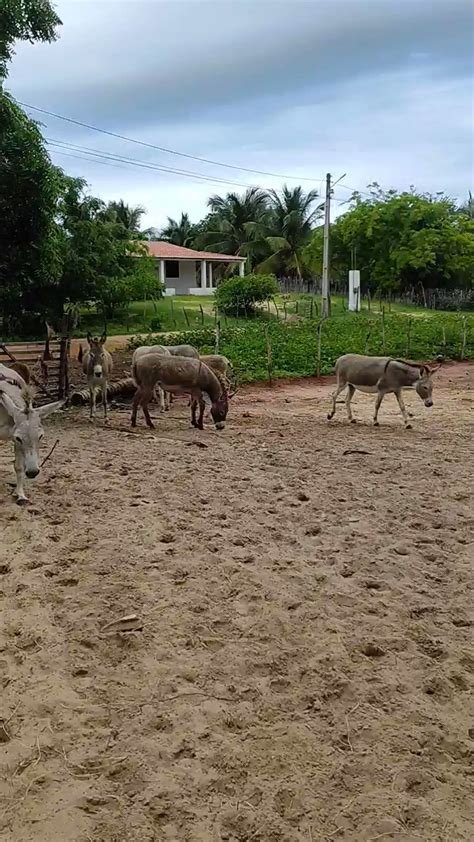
21 501
353 421
329 416
408 426
376 424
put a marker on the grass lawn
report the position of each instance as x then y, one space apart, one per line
179 313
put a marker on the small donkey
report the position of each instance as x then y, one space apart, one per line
97 366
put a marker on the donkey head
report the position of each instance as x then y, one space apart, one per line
27 429
96 355
424 384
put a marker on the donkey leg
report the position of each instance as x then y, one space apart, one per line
135 405
202 407
339 388
403 410
93 396
378 401
104 400
349 396
19 491
193 412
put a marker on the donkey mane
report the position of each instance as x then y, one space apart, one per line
28 394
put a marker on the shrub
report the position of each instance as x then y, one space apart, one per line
155 324
238 296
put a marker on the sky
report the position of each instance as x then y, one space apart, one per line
378 90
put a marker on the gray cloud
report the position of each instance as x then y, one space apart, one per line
377 88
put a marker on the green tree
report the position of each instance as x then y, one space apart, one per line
238 296
237 225
100 262
179 231
25 20
401 241
291 222
129 217
30 256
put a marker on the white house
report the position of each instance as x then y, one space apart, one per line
188 272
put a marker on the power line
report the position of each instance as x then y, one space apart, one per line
97 153
163 148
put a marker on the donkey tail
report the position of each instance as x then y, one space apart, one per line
80 355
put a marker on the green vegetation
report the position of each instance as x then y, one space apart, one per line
401 242
238 296
294 347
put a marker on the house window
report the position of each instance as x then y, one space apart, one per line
172 268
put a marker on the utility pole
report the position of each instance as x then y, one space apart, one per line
325 278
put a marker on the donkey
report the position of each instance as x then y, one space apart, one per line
381 376
97 366
21 423
163 397
178 375
183 351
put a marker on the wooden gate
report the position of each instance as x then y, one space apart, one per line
48 364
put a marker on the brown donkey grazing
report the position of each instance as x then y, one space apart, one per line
97 366
381 376
180 375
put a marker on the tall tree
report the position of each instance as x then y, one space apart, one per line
236 224
291 222
29 190
126 215
25 20
179 231
401 241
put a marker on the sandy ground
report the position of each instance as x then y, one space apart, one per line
304 666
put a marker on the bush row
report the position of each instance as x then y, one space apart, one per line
294 347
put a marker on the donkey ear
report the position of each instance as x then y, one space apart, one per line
10 406
103 338
89 338
434 369
424 371
44 411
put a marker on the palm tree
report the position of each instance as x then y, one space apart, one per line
126 215
180 232
292 218
236 224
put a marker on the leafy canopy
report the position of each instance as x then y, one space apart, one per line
25 20
238 296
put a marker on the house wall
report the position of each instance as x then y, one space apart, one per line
187 276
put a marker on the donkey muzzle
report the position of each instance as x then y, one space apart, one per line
31 473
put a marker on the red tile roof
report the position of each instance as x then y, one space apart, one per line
168 251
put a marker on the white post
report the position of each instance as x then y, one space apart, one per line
242 268
325 277
354 290
203 274
162 272
210 276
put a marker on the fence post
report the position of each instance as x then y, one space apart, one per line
276 308
269 356
368 300
368 337
464 336
218 337
202 314
383 330
186 316
408 345
285 310
173 317
311 308
318 350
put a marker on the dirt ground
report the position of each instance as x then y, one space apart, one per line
304 666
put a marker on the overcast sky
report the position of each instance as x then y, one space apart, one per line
378 89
